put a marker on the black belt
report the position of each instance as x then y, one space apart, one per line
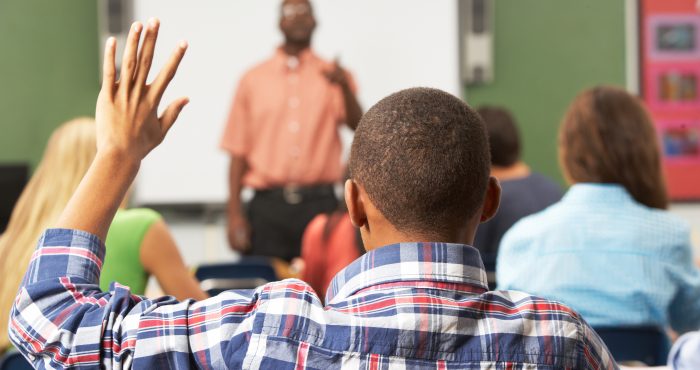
294 194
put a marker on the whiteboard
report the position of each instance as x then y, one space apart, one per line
387 45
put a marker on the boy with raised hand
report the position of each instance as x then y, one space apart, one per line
420 185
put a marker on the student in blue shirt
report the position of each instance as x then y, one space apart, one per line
608 248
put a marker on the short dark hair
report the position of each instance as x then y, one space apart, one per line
422 156
504 137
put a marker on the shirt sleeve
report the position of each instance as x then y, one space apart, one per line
685 354
61 319
684 312
595 354
235 135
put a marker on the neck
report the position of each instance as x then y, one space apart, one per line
295 48
383 236
516 171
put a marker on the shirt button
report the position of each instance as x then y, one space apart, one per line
293 126
292 63
293 78
294 152
293 102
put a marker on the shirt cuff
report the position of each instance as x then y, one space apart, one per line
685 353
67 253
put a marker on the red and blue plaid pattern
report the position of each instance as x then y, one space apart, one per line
407 306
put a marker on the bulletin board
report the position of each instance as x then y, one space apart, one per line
670 67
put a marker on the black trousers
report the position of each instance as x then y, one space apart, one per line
279 216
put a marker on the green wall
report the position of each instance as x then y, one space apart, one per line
545 52
48 71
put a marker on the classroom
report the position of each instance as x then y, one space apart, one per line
350 184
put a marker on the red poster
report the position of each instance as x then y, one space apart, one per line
670 65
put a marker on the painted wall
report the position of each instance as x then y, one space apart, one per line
48 71
545 52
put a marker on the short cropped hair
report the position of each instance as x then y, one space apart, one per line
422 156
504 137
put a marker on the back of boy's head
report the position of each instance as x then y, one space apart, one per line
504 138
422 156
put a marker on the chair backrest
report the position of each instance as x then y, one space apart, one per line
649 345
13 178
248 273
14 361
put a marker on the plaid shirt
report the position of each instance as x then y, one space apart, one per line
407 306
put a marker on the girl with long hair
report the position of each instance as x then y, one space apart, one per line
609 248
139 242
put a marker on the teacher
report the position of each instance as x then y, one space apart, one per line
282 135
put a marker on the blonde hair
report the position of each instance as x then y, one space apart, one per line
67 156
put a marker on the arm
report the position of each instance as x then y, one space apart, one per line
160 256
128 128
685 353
60 318
353 110
595 354
238 227
684 310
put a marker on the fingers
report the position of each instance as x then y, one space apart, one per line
146 53
167 73
108 68
129 59
172 112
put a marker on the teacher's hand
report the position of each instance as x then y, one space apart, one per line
337 75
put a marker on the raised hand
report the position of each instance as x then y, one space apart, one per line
128 128
336 74
127 110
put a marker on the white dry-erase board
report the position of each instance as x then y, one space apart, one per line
387 44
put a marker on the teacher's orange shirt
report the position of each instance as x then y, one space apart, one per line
284 121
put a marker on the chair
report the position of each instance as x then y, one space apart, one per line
13 178
248 273
649 345
13 360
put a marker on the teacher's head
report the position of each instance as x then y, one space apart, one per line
297 21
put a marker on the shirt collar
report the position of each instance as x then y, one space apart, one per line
597 193
282 59
410 262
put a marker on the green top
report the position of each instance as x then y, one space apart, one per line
122 261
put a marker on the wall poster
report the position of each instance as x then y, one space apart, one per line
670 86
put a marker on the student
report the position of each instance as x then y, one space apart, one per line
608 248
419 173
139 240
330 243
524 192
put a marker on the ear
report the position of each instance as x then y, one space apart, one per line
492 200
356 207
